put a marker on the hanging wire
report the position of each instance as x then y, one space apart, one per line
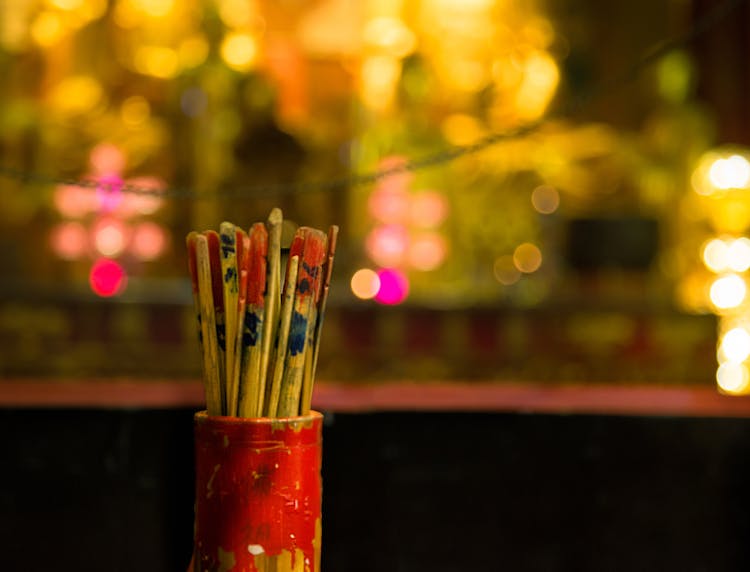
599 90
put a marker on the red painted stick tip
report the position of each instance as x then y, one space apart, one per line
256 280
311 264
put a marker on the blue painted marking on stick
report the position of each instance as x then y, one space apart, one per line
251 330
303 286
230 274
297 331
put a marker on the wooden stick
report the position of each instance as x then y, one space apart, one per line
308 282
252 386
287 305
322 300
193 269
273 302
211 361
242 243
230 291
217 289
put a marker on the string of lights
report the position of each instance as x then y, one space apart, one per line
598 90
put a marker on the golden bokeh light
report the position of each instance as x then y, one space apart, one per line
738 254
728 291
730 173
527 258
365 283
733 378
380 75
76 94
239 51
461 129
505 270
156 61
545 199
389 36
135 111
715 255
153 8
238 13
735 345
47 29
192 51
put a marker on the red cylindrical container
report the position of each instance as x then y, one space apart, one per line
258 493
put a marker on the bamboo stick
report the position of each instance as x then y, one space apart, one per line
287 306
252 385
308 282
211 362
230 291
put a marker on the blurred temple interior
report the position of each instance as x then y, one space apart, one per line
536 352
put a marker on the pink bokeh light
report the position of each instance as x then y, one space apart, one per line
387 244
394 286
107 278
69 240
149 241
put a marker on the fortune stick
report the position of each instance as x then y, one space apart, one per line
217 290
287 306
230 291
212 363
251 384
308 284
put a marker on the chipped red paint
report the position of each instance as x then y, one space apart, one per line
311 262
258 487
256 280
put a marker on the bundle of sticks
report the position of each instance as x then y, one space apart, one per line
260 337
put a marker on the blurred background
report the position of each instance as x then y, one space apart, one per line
532 194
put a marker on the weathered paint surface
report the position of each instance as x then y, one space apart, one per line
258 494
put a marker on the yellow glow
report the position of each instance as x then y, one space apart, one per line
390 36
365 283
192 52
239 51
154 8
461 129
723 169
47 29
379 77
67 5
237 13
732 377
527 258
735 345
545 199
157 61
76 94
738 254
466 74
728 291
135 111
505 271
730 173
540 79
715 255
